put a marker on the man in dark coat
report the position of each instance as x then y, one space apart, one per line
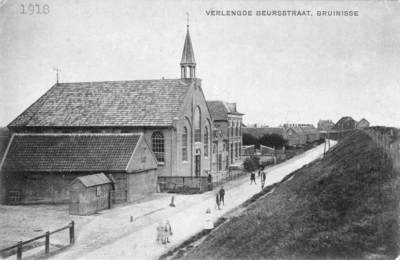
253 178
222 194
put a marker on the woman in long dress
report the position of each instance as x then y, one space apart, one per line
208 225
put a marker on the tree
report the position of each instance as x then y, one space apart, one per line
251 164
248 139
272 140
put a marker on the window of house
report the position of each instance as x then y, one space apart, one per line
184 144
197 125
206 142
232 129
290 132
237 129
158 145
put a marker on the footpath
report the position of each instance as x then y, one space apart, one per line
113 236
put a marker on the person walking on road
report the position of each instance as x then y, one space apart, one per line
218 201
253 178
167 232
208 225
263 176
222 194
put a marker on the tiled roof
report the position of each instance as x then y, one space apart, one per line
309 129
220 110
260 131
298 130
115 103
70 152
93 180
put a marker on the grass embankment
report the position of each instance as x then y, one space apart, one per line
343 207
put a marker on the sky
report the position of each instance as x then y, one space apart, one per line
278 69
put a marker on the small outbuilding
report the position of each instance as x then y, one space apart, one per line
89 194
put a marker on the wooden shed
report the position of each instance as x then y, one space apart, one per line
89 194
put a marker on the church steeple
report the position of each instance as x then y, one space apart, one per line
188 60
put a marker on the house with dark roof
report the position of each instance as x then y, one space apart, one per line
227 148
345 123
90 127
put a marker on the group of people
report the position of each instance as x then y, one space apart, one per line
260 174
164 233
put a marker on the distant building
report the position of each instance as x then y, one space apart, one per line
362 123
325 125
301 134
345 123
227 138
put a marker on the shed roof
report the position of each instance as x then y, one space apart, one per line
108 103
92 180
70 152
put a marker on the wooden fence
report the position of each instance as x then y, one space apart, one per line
71 228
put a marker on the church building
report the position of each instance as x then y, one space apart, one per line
82 128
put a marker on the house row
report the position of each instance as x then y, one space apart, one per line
135 130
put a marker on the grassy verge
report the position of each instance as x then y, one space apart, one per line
342 207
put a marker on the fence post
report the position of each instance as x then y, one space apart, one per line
19 251
72 233
47 244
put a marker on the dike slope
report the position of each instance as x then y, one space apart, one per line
342 207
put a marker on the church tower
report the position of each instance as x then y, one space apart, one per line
188 62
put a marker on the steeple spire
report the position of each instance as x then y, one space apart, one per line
188 60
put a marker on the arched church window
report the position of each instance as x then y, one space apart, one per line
184 144
157 140
197 125
206 142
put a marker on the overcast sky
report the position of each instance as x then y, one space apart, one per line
278 69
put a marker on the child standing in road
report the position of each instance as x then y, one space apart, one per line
208 225
222 194
253 178
167 232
